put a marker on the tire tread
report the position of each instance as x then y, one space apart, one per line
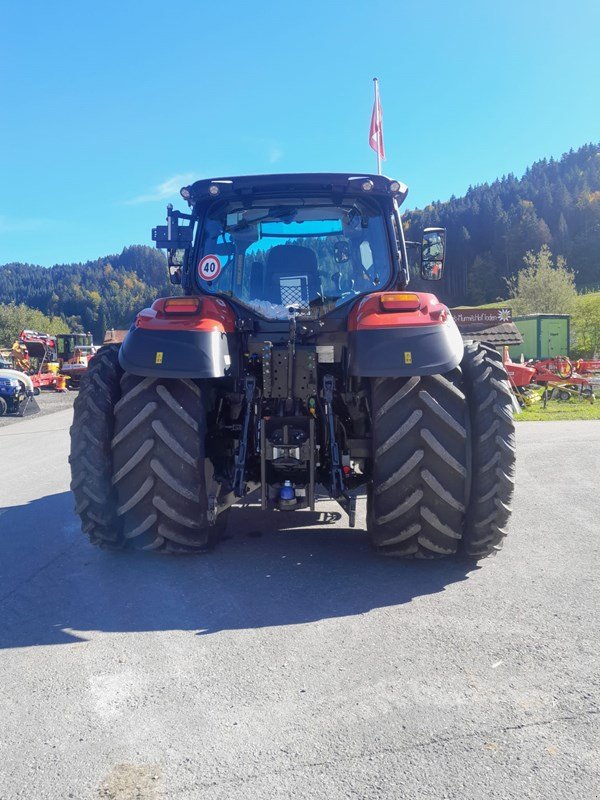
417 499
493 450
137 460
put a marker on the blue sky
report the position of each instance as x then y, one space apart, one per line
109 107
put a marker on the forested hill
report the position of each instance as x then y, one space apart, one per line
492 227
94 296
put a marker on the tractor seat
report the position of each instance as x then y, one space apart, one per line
292 276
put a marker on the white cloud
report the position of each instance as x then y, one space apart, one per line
275 154
23 224
263 150
166 190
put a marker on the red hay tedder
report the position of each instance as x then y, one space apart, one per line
587 367
559 373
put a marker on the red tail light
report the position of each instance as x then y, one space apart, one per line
400 301
182 305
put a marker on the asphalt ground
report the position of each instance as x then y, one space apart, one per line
296 664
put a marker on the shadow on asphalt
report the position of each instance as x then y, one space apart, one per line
272 569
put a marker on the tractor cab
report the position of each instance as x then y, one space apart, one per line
311 255
302 244
72 345
314 261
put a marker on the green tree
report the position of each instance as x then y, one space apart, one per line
586 324
15 318
556 203
526 233
482 277
543 286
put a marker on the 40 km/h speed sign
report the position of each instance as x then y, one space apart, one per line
209 268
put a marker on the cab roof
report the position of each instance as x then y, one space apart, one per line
334 182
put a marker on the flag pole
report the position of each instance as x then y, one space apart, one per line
376 89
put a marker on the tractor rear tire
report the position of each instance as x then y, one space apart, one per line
137 460
490 400
416 501
90 458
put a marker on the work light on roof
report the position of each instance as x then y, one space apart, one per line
367 186
395 186
213 189
185 193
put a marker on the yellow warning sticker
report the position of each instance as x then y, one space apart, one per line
407 357
159 358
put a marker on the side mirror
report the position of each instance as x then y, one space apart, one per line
341 252
433 253
174 271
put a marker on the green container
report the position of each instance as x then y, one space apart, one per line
544 336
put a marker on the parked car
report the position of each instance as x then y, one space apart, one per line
16 389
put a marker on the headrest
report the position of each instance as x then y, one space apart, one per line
292 259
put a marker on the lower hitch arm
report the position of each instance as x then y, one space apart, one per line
338 485
239 475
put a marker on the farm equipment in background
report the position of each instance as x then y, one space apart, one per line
559 375
587 366
41 361
556 375
521 380
74 353
20 356
53 361
35 354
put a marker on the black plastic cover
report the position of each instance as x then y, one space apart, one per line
178 354
398 352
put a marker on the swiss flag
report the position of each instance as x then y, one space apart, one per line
376 129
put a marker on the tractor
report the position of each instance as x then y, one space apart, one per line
295 362
74 353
